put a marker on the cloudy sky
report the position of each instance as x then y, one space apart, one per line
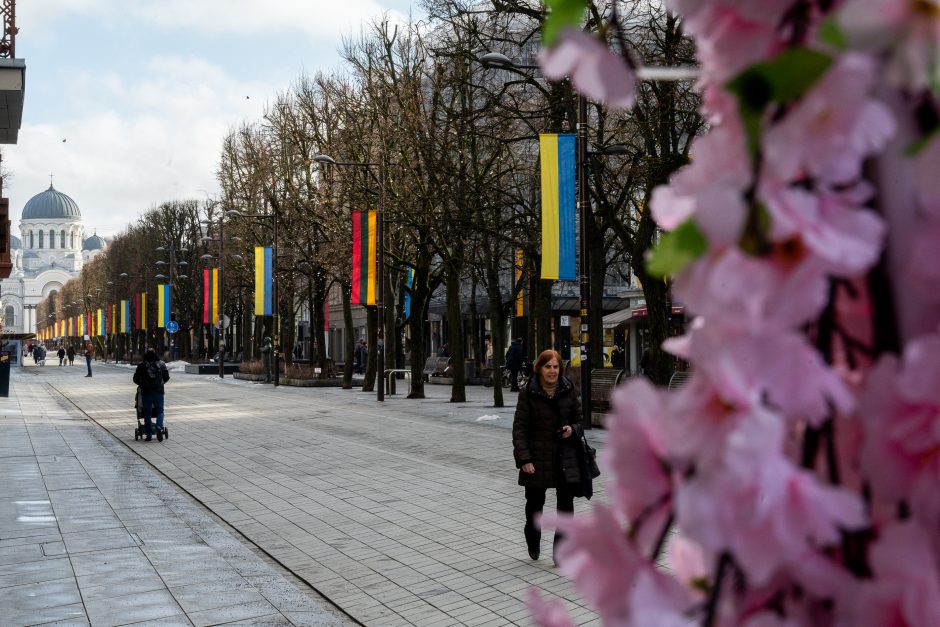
127 101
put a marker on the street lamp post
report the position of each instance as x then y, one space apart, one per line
172 266
501 61
379 265
220 342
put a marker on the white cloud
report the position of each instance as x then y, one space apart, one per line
133 143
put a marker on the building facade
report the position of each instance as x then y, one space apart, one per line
51 249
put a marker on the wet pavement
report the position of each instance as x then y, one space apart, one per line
91 534
399 513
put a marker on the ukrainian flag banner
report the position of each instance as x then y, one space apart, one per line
142 311
125 316
210 295
364 240
557 158
410 282
100 322
264 281
163 305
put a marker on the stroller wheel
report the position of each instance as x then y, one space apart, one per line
166 433
136 434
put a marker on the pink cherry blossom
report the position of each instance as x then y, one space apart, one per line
656 599
836 227
833 128
597 557
900 408
763 509
594 70
548 612
909 29
906 587
634 457
710 189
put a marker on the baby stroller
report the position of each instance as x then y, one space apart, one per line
140 431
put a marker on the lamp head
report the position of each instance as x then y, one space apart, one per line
325 159
496 60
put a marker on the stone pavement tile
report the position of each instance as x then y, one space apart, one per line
19 553
61 616
309 619
98 540
47 569
20 603
133 608
210 595
227 614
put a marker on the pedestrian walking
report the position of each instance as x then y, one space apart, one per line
546 438
61 354
515 356
361 357
70 353
89 355
150 376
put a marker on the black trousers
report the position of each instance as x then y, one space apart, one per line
535 501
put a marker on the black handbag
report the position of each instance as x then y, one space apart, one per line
590 457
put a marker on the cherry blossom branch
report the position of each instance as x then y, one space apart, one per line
711 606
661 539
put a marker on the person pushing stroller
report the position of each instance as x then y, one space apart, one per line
150 376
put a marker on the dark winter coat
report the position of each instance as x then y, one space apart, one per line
536 436
151 384
515 356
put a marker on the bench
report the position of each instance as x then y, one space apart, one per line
679 378
603 382
442 369
430 366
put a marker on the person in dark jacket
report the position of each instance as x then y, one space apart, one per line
70 353
514 358
150 375
546 433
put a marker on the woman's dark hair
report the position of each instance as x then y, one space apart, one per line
545 357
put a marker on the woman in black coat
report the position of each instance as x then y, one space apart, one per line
546 434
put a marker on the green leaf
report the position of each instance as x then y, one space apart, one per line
831 33
561 15
780 80
676 250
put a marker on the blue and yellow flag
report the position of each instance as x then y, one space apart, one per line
163 305
410 282
100 322
264 281
559 228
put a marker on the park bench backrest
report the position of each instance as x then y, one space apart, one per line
430 366
603 382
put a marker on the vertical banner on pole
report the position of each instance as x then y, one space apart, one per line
264 283
410 283
364 242
163 305
559 225
100 322
522 297
143 311
210 296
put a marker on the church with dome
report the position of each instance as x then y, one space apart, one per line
51 249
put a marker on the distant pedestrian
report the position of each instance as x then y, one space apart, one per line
361 357
515 356
546 437
61 354
617 358
646 364
89 355
150 376
488 352
266 348
70 353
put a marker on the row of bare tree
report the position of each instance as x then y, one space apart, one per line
457 145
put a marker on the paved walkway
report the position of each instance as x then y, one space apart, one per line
401 513
90 534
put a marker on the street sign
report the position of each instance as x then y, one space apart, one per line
565 321
172 326
224 321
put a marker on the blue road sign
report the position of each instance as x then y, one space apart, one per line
172 326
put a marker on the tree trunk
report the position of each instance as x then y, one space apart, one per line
420 299
455 341
349 343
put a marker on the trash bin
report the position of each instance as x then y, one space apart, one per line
469 369
4 374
